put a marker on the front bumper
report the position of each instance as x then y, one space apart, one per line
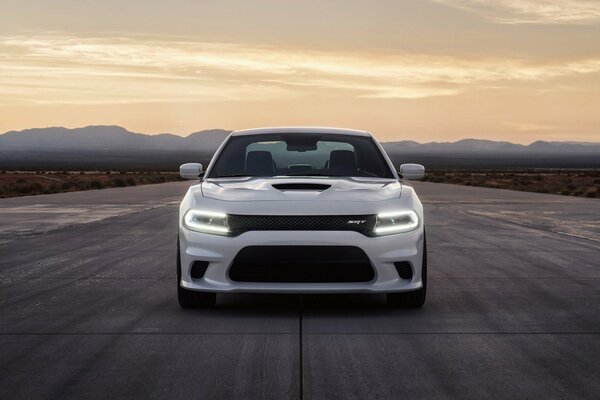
220 251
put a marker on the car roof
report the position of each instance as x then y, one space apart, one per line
300 130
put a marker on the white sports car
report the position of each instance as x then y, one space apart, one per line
301 210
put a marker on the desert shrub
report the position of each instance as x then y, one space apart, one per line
119 182
33 187
591 194
96 184
131 181
54 188
23 189
155 179
66 186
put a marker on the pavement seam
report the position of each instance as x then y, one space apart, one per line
300 349
290 333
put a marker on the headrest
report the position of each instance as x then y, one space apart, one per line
342 161
259 163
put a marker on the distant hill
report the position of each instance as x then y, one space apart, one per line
476 153
490 146
107 138
104 147
114 147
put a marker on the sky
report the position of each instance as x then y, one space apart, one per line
423 70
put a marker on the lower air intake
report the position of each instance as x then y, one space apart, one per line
198 269
404 269
301 264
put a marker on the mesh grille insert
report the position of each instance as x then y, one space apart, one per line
239 224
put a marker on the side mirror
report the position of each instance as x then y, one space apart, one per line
190 170
412 171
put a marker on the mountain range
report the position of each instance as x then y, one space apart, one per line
114 147
106 137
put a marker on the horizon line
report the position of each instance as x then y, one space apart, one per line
313 126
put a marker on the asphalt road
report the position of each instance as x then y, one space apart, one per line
88 308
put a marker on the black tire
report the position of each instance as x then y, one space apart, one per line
415 298
191 298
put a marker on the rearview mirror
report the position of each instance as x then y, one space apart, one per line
412 171
190 170
302 143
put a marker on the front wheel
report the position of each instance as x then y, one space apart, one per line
190 298
415 298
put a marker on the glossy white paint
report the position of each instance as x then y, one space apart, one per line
257 196
190 170
412 171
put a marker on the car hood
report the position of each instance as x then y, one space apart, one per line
299 189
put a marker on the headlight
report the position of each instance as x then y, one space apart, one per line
396 222
206 222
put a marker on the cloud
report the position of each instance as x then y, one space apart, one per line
68 69
520 126
532 11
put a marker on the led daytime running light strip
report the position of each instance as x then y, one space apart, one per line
396 228
192 223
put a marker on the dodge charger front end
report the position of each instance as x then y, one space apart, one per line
301 210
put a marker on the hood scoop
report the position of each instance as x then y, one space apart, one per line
315 187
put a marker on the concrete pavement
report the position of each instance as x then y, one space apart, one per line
89 310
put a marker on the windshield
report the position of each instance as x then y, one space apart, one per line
299 154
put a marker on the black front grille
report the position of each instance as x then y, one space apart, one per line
301 264
358 223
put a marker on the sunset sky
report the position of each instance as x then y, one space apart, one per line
426 70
